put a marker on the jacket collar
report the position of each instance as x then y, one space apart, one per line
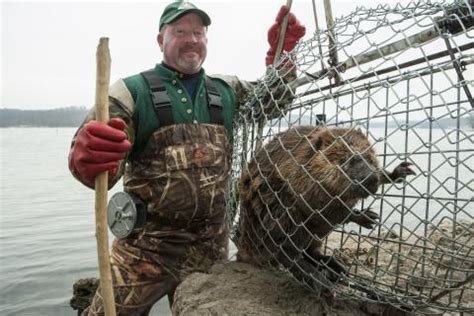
171 73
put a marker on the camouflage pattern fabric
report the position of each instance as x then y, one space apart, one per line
182 175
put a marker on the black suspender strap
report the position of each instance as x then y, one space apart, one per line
161 100
215 103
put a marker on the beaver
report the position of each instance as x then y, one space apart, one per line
298 188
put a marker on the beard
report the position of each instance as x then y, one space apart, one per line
190 65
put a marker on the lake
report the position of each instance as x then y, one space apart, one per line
47 230
47 235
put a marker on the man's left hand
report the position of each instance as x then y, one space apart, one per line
294 32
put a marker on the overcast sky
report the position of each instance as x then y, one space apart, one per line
48 48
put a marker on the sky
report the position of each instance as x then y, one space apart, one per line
48 48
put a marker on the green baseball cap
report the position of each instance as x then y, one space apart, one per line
179 8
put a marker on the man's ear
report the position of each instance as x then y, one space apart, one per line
159 39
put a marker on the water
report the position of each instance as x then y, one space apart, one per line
47 227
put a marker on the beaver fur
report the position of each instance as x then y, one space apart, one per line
298 188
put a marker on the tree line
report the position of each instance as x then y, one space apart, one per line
74 115
62 117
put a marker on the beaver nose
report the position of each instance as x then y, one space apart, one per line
371 183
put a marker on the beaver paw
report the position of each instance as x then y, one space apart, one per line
334 268
365 217
329 264
401 172
322 278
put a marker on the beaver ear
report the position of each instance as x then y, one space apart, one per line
319 143
358 130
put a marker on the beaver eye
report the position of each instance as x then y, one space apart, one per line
318 144
355 159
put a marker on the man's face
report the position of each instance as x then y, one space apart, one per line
184 43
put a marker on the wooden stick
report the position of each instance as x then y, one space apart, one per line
281 41
332 39
281 38
101 181
315 13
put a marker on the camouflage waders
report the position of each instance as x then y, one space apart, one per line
182 175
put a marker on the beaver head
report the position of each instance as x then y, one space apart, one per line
343 162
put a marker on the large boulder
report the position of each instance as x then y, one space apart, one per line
240 289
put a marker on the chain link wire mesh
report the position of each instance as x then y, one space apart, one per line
362 185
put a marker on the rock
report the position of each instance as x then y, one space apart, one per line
83 292
240 289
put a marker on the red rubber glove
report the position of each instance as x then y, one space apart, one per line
294 32
98 147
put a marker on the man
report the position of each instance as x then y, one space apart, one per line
169 136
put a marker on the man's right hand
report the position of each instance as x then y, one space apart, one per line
98 147
294 32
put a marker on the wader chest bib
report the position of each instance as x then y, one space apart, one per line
181 175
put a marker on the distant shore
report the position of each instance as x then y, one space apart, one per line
61 117
74 115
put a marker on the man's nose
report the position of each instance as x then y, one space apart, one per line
191 37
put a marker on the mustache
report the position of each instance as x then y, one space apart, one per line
190 48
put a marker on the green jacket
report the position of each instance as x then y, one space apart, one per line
130 99
184 109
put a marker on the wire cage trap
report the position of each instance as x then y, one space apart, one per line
312 190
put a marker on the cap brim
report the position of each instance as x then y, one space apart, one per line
203 15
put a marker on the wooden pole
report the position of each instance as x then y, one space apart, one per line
101 181
281 41
315 13
281 38
332 39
